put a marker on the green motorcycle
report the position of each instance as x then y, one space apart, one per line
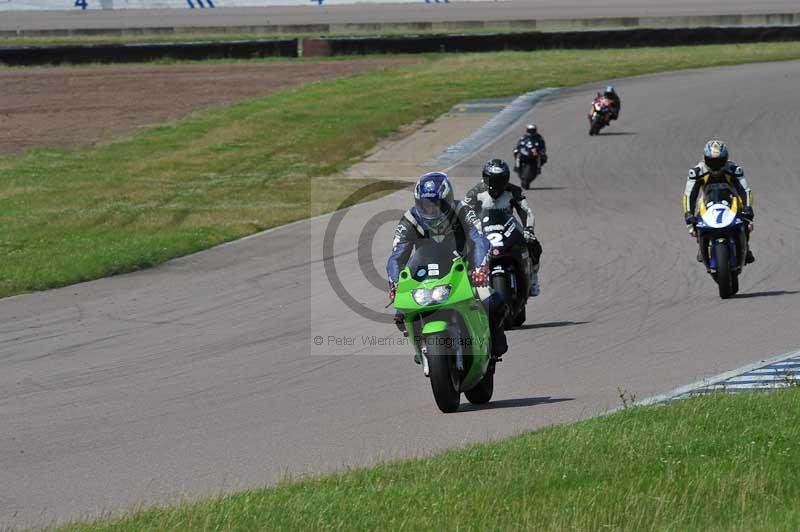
448 326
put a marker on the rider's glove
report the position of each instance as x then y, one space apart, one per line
690 219
392 292
480 276
529 235
747 212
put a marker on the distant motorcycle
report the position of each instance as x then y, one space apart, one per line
528 162
600 115
722 238
509 262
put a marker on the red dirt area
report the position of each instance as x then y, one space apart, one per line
78 106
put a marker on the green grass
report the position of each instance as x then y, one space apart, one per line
73 215
721 462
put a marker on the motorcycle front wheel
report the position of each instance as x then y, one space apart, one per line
502 285
441 360
482 393
724 276
526 175
597 124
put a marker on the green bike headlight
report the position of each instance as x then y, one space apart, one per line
440 293
428 296
422 296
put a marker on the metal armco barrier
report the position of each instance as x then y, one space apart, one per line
544 40
131 53
118 53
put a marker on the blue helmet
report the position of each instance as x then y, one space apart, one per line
433 196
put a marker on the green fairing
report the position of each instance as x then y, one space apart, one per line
461 301
434 327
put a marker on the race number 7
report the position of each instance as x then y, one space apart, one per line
720 212
83 4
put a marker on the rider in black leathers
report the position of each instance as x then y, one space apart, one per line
531 135
495 192
436 215
616 103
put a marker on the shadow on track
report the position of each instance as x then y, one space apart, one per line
617 133
550 325
514 403
548 188
767 294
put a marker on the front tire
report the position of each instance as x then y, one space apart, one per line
442 372
501 285
520 318
724 275
482 393
597 124
526 175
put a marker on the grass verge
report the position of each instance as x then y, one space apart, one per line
73 215
719 462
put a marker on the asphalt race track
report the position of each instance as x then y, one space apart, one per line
202 375
387 13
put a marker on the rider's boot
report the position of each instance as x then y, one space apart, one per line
535 288
499 343
699 256
399 321
749 258
497 309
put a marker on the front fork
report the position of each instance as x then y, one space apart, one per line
739 242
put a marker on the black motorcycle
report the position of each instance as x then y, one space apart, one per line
509 262
528 162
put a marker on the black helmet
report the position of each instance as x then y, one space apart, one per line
531 129
495 176
715 154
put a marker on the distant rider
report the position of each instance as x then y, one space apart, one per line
436 215
716 168
616 104
533 136
495 192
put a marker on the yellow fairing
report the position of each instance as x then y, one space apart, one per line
734 207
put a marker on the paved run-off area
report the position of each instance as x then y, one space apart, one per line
202 375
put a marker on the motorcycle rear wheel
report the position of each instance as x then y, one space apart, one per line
441 361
